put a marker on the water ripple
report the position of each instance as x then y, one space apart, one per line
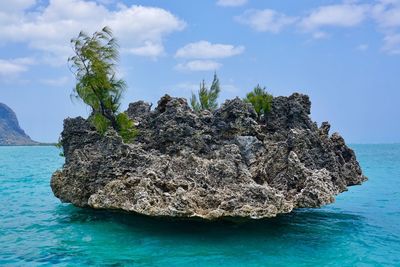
360 229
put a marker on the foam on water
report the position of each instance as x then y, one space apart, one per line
360 229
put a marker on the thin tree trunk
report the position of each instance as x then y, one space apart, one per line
106 113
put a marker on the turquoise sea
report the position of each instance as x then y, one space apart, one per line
361 229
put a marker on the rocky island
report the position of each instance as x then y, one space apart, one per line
206 164
10 131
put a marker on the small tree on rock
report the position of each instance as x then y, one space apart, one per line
207 98
261 101
93 65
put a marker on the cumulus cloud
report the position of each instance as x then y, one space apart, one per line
199 65
343 15
14 67
139 29
387 14
202 55
392 44
317 22
207 50
347 14
231 3
148 49
266 20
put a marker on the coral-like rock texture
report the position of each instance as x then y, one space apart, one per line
210 165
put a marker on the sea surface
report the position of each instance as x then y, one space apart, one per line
361 229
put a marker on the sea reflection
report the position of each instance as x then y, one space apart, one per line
303 221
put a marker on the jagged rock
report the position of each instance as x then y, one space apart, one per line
10 131
209 165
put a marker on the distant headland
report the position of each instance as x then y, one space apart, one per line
10 131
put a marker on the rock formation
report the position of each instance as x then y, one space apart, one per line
10 131
209 165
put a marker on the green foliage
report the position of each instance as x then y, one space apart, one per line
207 98
127 131
100 122
261 100
94 64
60 146
195 103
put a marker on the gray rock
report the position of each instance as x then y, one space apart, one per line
209 165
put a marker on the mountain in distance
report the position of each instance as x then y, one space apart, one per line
10 131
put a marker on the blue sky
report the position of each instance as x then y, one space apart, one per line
344 54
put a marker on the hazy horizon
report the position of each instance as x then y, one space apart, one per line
343 54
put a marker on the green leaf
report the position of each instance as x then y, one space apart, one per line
100 122
261 101
126 128
93 63
207 98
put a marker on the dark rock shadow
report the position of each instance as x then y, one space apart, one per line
308 222
86 236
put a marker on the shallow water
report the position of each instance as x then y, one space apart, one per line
360 229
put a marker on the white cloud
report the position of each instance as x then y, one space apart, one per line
342 15
199 65
387 14
14 67
203 55
139 29
207 50
10 68
347 14
392 44
149 49
231 2
266 20
351 13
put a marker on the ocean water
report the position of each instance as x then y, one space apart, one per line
361 229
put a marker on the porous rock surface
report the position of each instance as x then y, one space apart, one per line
209 165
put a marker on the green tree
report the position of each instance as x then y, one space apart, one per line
261 101
94 64
207 98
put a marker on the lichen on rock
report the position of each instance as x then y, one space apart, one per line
209 164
